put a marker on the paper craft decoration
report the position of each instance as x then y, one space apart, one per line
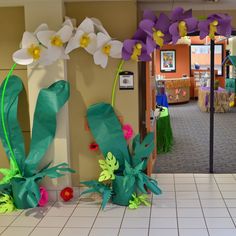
46 46
215 24
128 178
93 146
44 197
138 200
21 181
128 131
67 194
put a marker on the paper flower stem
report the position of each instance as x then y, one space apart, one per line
119 69
2 112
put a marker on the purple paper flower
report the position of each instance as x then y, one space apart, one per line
135 50
149 15
182 23
157 31
215 24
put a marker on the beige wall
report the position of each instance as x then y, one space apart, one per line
12 26
91 84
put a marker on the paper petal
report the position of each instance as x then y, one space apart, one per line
100 58
125 55
22 57
87 26
45 36
129 44
99 26
28 39
150 44
65 33
102 39
42 27
147 25
55 53
116 48
191 24
177 13
92 47
70 22
72 44
163 23
148 14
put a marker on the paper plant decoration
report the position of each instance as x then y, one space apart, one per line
46 46
21 181
182 23
215 24
127 178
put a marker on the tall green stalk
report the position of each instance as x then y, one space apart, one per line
2 113
119 69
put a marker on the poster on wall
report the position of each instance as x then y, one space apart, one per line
168 60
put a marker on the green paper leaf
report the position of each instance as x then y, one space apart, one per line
142 150
6 203
109 165
50 101
95 186
14 133
8 174
107 132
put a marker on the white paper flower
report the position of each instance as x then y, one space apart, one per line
106 47
84 38
54 41
31 51
98 25
70 22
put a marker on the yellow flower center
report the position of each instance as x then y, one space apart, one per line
84 41
213 29
56 41
34 51
137 51
182 28
106 49
158 37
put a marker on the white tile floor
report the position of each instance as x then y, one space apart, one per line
191 205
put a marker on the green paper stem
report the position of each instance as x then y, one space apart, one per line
2 111
119 69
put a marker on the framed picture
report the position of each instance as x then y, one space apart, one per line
168 60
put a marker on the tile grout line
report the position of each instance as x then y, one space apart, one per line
225 201
201 206
176 209
69 218
94 220
122 221
42 217
150 216
10 225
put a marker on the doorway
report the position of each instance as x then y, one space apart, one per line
190 126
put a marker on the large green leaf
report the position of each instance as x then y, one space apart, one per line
107 132
50 101
13 130
142 150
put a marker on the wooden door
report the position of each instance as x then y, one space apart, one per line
151 106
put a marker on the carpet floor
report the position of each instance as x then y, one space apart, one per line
190 152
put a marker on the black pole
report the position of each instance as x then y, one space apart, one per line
212 110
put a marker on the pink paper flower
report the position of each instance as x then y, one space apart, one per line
128 131
44 197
